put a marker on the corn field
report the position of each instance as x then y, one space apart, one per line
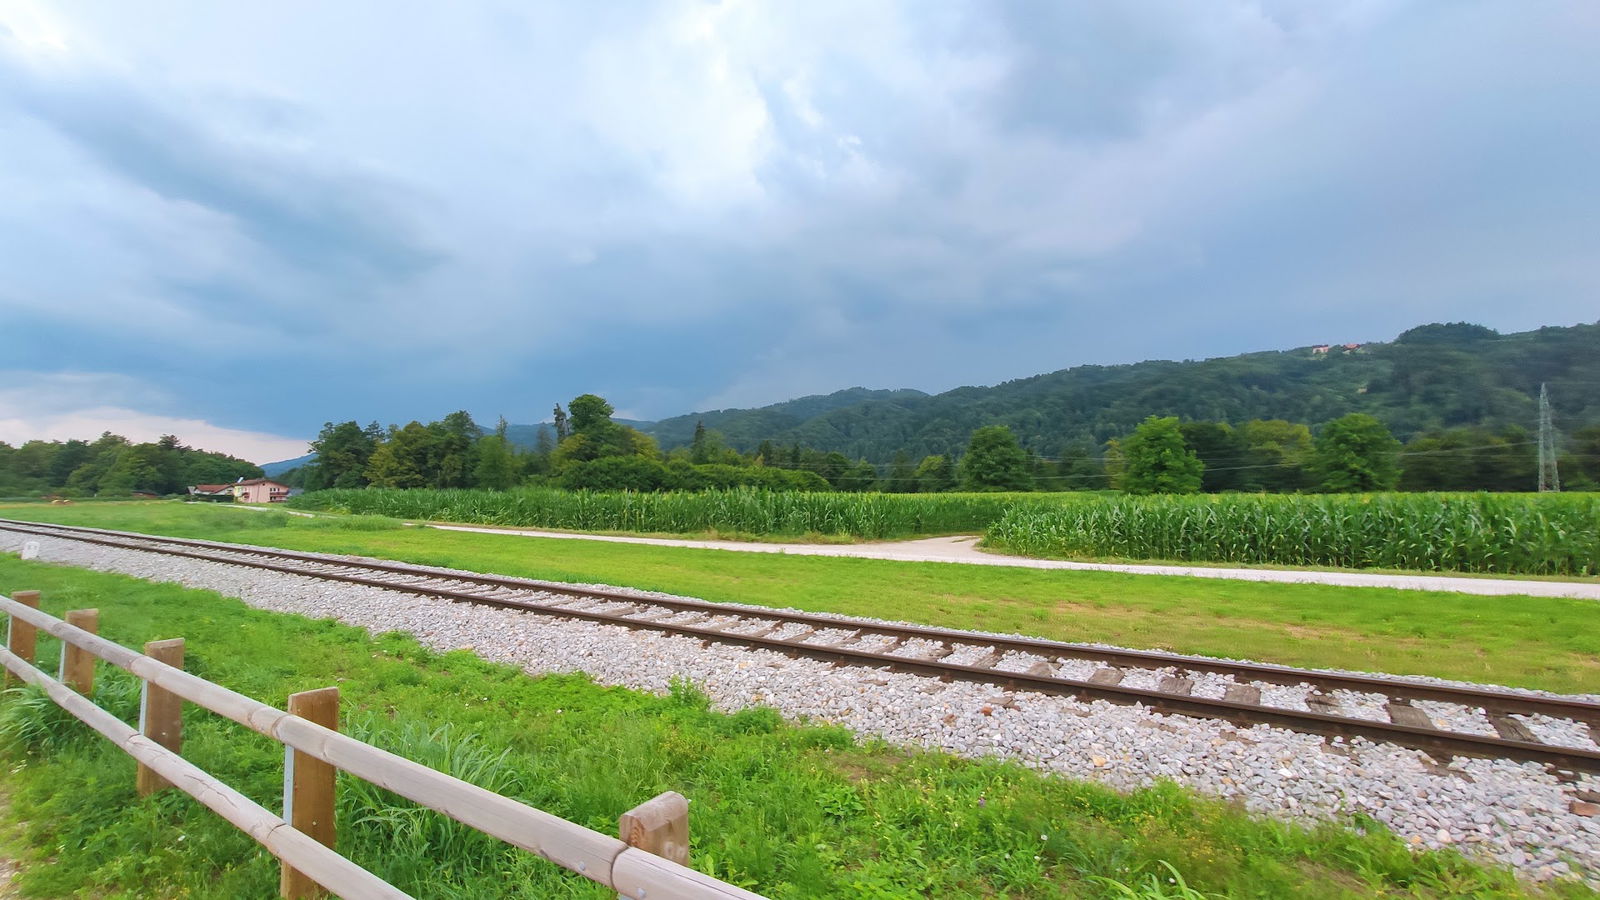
870 516
1532 534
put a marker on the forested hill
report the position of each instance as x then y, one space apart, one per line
1432 376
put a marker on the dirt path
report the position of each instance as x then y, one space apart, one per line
964 549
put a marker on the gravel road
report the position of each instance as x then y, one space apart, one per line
965 550
1519 814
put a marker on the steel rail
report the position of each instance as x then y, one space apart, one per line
1446 743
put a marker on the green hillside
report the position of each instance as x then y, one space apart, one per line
1433 376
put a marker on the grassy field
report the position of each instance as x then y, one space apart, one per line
1540 534
1523 641
792 811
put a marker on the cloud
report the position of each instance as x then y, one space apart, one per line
82 405
340 212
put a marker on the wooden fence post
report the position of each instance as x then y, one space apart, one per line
77 664
308 788
160 714
660 826
22 638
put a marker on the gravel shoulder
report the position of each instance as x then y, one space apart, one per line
965 550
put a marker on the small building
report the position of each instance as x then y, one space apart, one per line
214 492
1320 348
260 490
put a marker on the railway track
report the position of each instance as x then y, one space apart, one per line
1445 721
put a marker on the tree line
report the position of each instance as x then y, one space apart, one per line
113 466
586 449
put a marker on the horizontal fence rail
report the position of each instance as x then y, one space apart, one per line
614 862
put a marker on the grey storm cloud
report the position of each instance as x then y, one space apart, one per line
324 218
688 205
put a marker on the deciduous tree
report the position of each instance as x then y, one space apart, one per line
1157 461
994 461
1356 453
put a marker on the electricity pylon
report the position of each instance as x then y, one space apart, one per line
1549 478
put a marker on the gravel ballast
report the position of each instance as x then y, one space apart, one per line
1517 813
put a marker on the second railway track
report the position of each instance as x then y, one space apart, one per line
1563 733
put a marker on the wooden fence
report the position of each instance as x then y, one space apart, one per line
646 862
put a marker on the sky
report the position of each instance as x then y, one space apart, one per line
235 222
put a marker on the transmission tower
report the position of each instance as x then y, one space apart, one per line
1549 478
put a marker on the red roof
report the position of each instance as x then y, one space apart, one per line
210 488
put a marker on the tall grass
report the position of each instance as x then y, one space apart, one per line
1533 534
738 511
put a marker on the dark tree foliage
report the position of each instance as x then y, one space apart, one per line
1470 459
112 466
1078 469
1221 450
1356 453
994 462
1580 466
935 474
343 451
595 436
1155 460
902 477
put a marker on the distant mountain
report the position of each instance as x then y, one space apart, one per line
745 428
274 469
1433 376
1429 377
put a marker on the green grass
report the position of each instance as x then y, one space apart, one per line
1540 534
792 811
1535 642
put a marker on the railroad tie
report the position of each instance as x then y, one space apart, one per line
1173 684
1318 702
1511 729
986 661
1108 675
1243 693
1041 669
1401 712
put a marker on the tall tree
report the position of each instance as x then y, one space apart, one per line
1356 453
699 450
560 420
455 437
902 477
1156 460
496 467
343 451
1277 453
595 436
935 474
994 461
406 459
